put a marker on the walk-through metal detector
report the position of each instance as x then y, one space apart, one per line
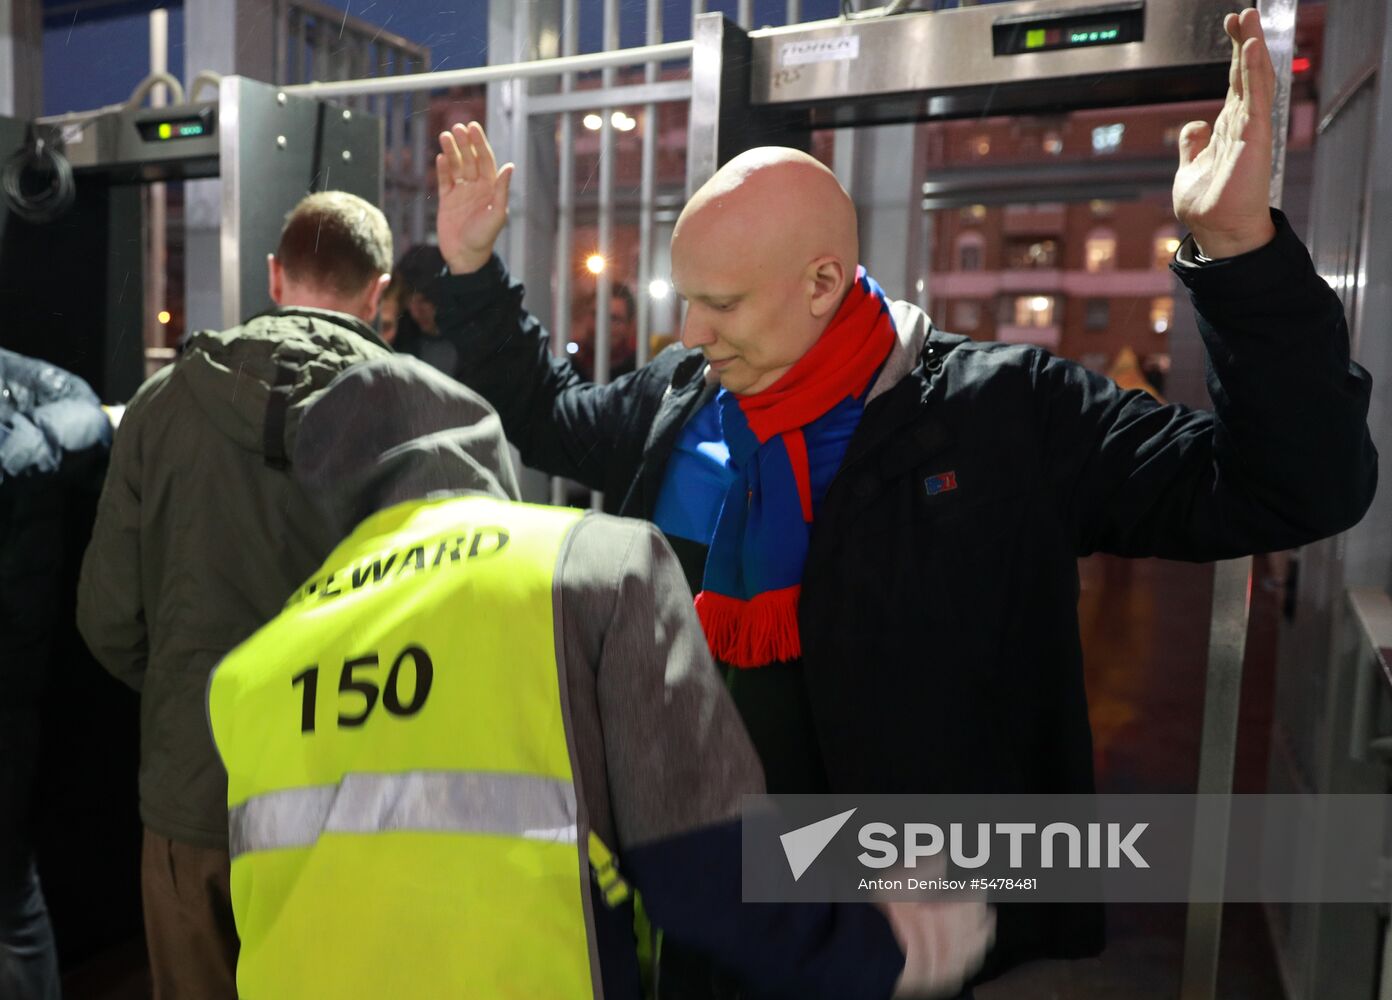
1028 57
72 286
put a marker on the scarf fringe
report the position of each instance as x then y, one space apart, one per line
751 633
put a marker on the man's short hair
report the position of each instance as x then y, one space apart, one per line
418 269
336 242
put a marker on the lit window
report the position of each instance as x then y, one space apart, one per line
1161 314
1099 314
1107 138
966 315
1166 243
1099 251
1034 310
969 252
1027 253
974 213
980 145
1053 143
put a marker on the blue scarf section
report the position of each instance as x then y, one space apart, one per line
760 539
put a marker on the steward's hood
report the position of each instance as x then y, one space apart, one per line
395 429
254 382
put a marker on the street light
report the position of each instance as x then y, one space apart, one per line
595 263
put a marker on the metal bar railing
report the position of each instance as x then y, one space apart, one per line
793 14
565 207
605 241
506 71
659 92
420 109
646 194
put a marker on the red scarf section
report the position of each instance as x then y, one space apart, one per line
764 629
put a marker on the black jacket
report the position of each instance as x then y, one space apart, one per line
940 631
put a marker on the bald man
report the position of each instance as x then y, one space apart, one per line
883 520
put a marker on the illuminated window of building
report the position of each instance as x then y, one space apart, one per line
966 315
1166 243
1107 138
1099 314
980 145
1099 251
969 252
1161 314
973 213
1031 253
1101 207
1034 310
1052 143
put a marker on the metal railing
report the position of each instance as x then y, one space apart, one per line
316 43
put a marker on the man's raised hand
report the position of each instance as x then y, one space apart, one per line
1222 189
473 197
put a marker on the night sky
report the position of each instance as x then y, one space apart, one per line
90 62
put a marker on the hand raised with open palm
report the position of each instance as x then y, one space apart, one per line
1222 188
473 197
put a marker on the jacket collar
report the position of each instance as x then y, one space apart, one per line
344 320
686 393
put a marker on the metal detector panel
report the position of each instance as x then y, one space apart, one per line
275 148
71 288
1002 58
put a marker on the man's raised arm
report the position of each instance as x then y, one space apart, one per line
561 423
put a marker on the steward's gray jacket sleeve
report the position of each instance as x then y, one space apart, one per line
652 721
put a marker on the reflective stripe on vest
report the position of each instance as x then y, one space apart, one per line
403 808
520 805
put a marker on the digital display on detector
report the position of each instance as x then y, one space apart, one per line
167 131
1116 25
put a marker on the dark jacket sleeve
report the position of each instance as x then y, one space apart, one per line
678 762
1284 458
562 424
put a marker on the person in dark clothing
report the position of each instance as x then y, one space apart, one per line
895 596
53 440
417 332
623 334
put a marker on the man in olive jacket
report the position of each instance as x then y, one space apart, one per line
201 535
937 613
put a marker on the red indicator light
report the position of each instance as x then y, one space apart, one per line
1300 64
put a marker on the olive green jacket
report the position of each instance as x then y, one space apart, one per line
202 533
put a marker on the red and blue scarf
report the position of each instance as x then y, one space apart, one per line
753 575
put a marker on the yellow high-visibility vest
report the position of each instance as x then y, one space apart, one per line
403 811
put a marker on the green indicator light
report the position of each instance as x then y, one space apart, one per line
1034 38
185 130
165 130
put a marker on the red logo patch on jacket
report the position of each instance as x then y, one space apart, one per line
940 483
